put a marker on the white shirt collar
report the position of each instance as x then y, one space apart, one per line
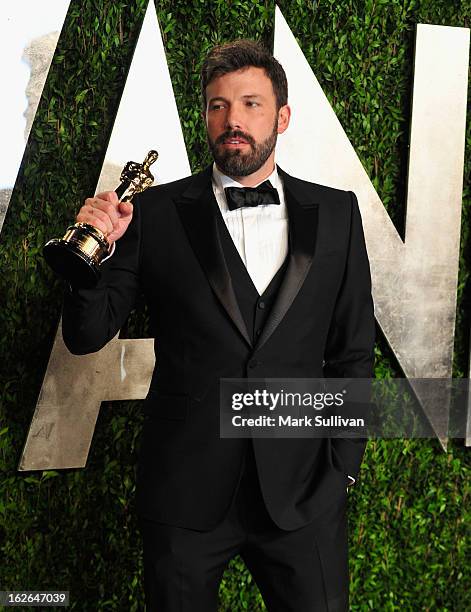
222 180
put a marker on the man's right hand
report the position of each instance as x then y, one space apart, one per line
107 214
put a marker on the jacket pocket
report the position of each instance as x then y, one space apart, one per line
169 407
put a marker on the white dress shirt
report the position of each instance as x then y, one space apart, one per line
260 233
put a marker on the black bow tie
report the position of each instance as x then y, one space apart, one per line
238 197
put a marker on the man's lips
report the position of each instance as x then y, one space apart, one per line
234 142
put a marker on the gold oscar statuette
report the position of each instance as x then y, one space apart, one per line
77 256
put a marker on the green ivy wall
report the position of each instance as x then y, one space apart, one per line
76 529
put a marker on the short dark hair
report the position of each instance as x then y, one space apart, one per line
244 53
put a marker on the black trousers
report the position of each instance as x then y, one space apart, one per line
305 570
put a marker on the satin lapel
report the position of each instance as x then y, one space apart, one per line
303 221
198 208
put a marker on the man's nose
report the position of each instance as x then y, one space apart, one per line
234 118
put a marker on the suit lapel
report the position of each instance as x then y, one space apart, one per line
303 221
198 208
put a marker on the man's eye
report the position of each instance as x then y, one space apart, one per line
216 106
252 103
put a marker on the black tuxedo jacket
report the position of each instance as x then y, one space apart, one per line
321 324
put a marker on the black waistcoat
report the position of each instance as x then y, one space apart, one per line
254 307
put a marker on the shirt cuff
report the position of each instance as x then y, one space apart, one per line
352 480
111 252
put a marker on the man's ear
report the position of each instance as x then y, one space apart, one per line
284 115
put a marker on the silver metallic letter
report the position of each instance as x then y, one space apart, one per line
414 282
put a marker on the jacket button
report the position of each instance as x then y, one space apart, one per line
261 305
253 363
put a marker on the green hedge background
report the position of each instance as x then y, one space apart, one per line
76 529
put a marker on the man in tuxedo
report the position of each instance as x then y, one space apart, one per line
247 272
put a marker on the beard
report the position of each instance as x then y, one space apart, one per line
236 163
